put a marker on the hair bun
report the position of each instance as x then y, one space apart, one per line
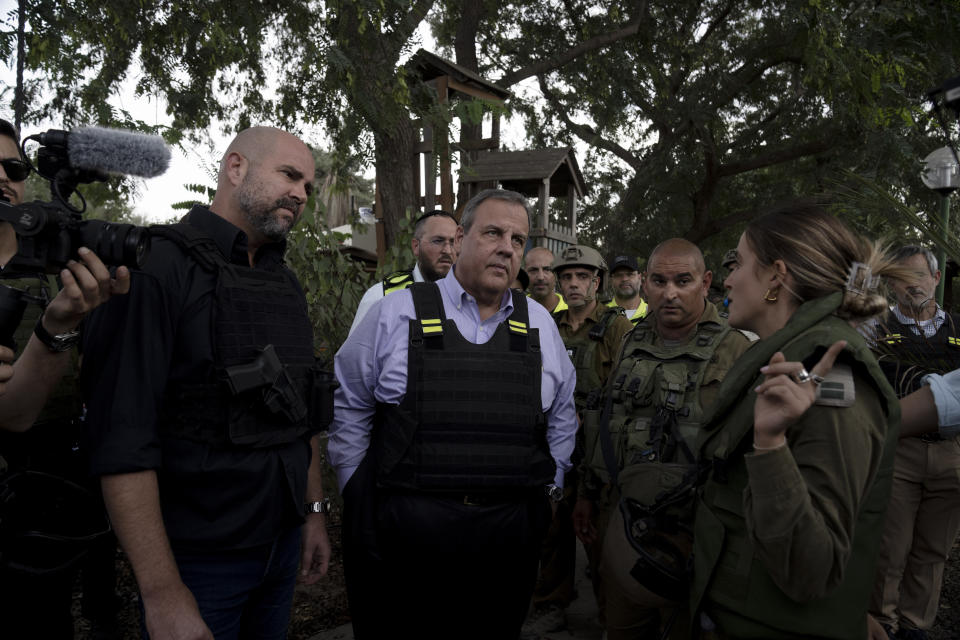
856 306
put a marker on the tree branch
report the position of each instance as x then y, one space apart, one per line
776 156
585 132
597 42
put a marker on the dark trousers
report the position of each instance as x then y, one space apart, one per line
244 593
558 554
427 567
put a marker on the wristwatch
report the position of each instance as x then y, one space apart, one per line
322 506
56 343
554 492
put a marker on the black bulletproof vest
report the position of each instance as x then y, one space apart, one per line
260 391
905 356
471 418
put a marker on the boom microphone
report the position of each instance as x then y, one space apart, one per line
110 150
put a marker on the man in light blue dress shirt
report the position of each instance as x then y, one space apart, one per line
445 500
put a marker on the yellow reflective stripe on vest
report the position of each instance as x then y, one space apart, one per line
431 326
517 327
638 313
954 341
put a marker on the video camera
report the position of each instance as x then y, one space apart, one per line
50 233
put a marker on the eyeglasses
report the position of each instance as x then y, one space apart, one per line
17 170
441 244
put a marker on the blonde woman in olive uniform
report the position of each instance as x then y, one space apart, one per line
788 521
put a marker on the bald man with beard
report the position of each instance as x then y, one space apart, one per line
198 388
662 385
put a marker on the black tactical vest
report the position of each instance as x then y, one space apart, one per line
264 365
471 418
905 356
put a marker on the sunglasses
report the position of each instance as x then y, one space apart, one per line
16 170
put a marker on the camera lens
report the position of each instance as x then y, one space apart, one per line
116 244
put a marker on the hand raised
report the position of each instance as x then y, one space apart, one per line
786 393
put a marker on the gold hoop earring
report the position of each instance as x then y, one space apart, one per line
771 295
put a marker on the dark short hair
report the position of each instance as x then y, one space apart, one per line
466 220
10 130
422 220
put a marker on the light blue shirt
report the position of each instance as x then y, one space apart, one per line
946 395
371 367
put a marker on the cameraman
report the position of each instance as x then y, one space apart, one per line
40 389
24 388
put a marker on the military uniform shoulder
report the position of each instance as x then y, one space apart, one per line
837 388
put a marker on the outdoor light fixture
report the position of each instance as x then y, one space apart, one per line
942 174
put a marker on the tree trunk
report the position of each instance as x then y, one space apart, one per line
395 154
465 46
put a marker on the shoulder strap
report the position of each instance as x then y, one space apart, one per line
597 330
428 305
397 280
522 335
193 242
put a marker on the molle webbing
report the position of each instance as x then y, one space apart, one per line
252 308
906 357
471 417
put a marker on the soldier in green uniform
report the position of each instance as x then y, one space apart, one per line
640 460
592 333
790 510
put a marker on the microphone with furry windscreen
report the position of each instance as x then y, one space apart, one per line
110 150
49 233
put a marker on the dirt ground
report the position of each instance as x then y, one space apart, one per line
324 605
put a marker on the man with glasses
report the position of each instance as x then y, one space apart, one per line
433 246
39 390
923 514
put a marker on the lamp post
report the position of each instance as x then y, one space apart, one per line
942 174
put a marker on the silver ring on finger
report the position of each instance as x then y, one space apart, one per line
802 376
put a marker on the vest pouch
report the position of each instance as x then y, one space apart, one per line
639 388
394 432
637 448
645 483
617 427
46 522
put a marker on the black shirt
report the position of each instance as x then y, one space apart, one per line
211 498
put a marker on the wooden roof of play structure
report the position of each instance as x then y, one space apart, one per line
524 171
537 173
459 79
